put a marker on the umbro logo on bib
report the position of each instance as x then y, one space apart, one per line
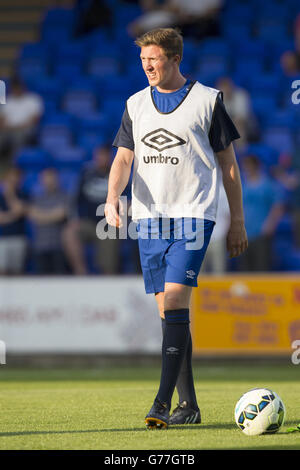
161 139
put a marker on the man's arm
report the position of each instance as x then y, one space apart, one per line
42 216
118 179
237 241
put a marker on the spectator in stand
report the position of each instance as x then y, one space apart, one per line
48 212
13 238
263 209
215 259
238 104
19 117
81 228
156 15
295 199
290 64
90 15
195 18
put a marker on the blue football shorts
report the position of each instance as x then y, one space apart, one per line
172 250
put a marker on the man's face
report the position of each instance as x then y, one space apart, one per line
156 65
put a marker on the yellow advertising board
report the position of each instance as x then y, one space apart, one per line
246 314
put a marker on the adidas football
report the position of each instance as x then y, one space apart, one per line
259 411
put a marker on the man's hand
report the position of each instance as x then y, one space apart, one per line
237 241
113 212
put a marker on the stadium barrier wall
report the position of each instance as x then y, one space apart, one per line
64 315
231 315
246 315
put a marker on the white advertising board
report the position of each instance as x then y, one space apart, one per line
82 314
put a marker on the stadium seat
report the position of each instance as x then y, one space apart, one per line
67 70
32 159
58 16
71 158
33 50
29 68
91 140
279 138
93 122
214 47
53 137
68 179
103 66
263 105
76 102
268 83
49 88
267 155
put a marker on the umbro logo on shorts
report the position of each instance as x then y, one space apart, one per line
161 139
172 350
190 274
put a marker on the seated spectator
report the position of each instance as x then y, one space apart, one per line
13 238
47 212
81 228
19 117
263 209
290 64
156 15
238 105
90 15
294 184
195 18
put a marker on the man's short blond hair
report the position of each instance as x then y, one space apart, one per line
169 39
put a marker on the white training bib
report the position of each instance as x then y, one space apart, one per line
175 172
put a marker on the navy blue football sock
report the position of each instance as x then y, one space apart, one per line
174 346
185 382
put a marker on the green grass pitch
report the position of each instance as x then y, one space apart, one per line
104 408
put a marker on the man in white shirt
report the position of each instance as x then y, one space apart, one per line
20 116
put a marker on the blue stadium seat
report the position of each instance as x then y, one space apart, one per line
268 83
76 102
214 47
213 66
29 68
30 181
91 140
53 137
34 50
48 87
93 122
68 179
103 66
72 51
71 158
32 158
282 118
245 68
279 138
53 37
56 16
59 119
67 70
253 49
267 155
263 105
275 29
234 32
